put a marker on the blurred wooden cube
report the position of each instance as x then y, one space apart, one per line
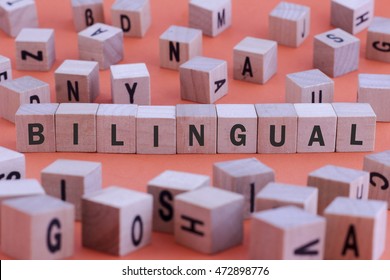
116 220
12 165
5 69
289 24
378 40
336 52
37 227
86 13
209 220
255 60
333 181
355 229
287 233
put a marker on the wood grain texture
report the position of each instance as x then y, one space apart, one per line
164 188
5 69
12 164
209 220
333 181
287 233
102 43
86 13
37 227
349 221
117 220
378 40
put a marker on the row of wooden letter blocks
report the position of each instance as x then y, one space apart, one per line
195 128
332 210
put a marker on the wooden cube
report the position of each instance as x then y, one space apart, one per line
287 233
16 15
23 90
378 164
333 181
316 127
102 43
37 227
12 165
86 13
255 60
196 128
203 79
130 84
378 40
209 220
352 16
115 131
5 69
35 49
76 127
275 195
69 180
237 128
133 17
156 130
212 17
116 220
375 90
355 229
77 81
311 86
244 176
356 126
35 128
178 45
336 52
164 188
277 128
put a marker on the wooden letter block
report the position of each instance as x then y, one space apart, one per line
164 189
76 127
289 24
275 195
37 227
178 45
378 165
209 220
35 128
196 129
277 128
5 69
255 60
116 220
243 176
352 16
133 17
375 90
35 49
116 128
69 180
212 17
86 13
316 127
287 233
77 81
310 86
378 40
356 125
237 128
156 130
24 90
12 165
16 15
355 229
102 43
333 181
130 84
336 52
203 79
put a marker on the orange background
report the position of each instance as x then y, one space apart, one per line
250 18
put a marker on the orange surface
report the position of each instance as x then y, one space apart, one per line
250 18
